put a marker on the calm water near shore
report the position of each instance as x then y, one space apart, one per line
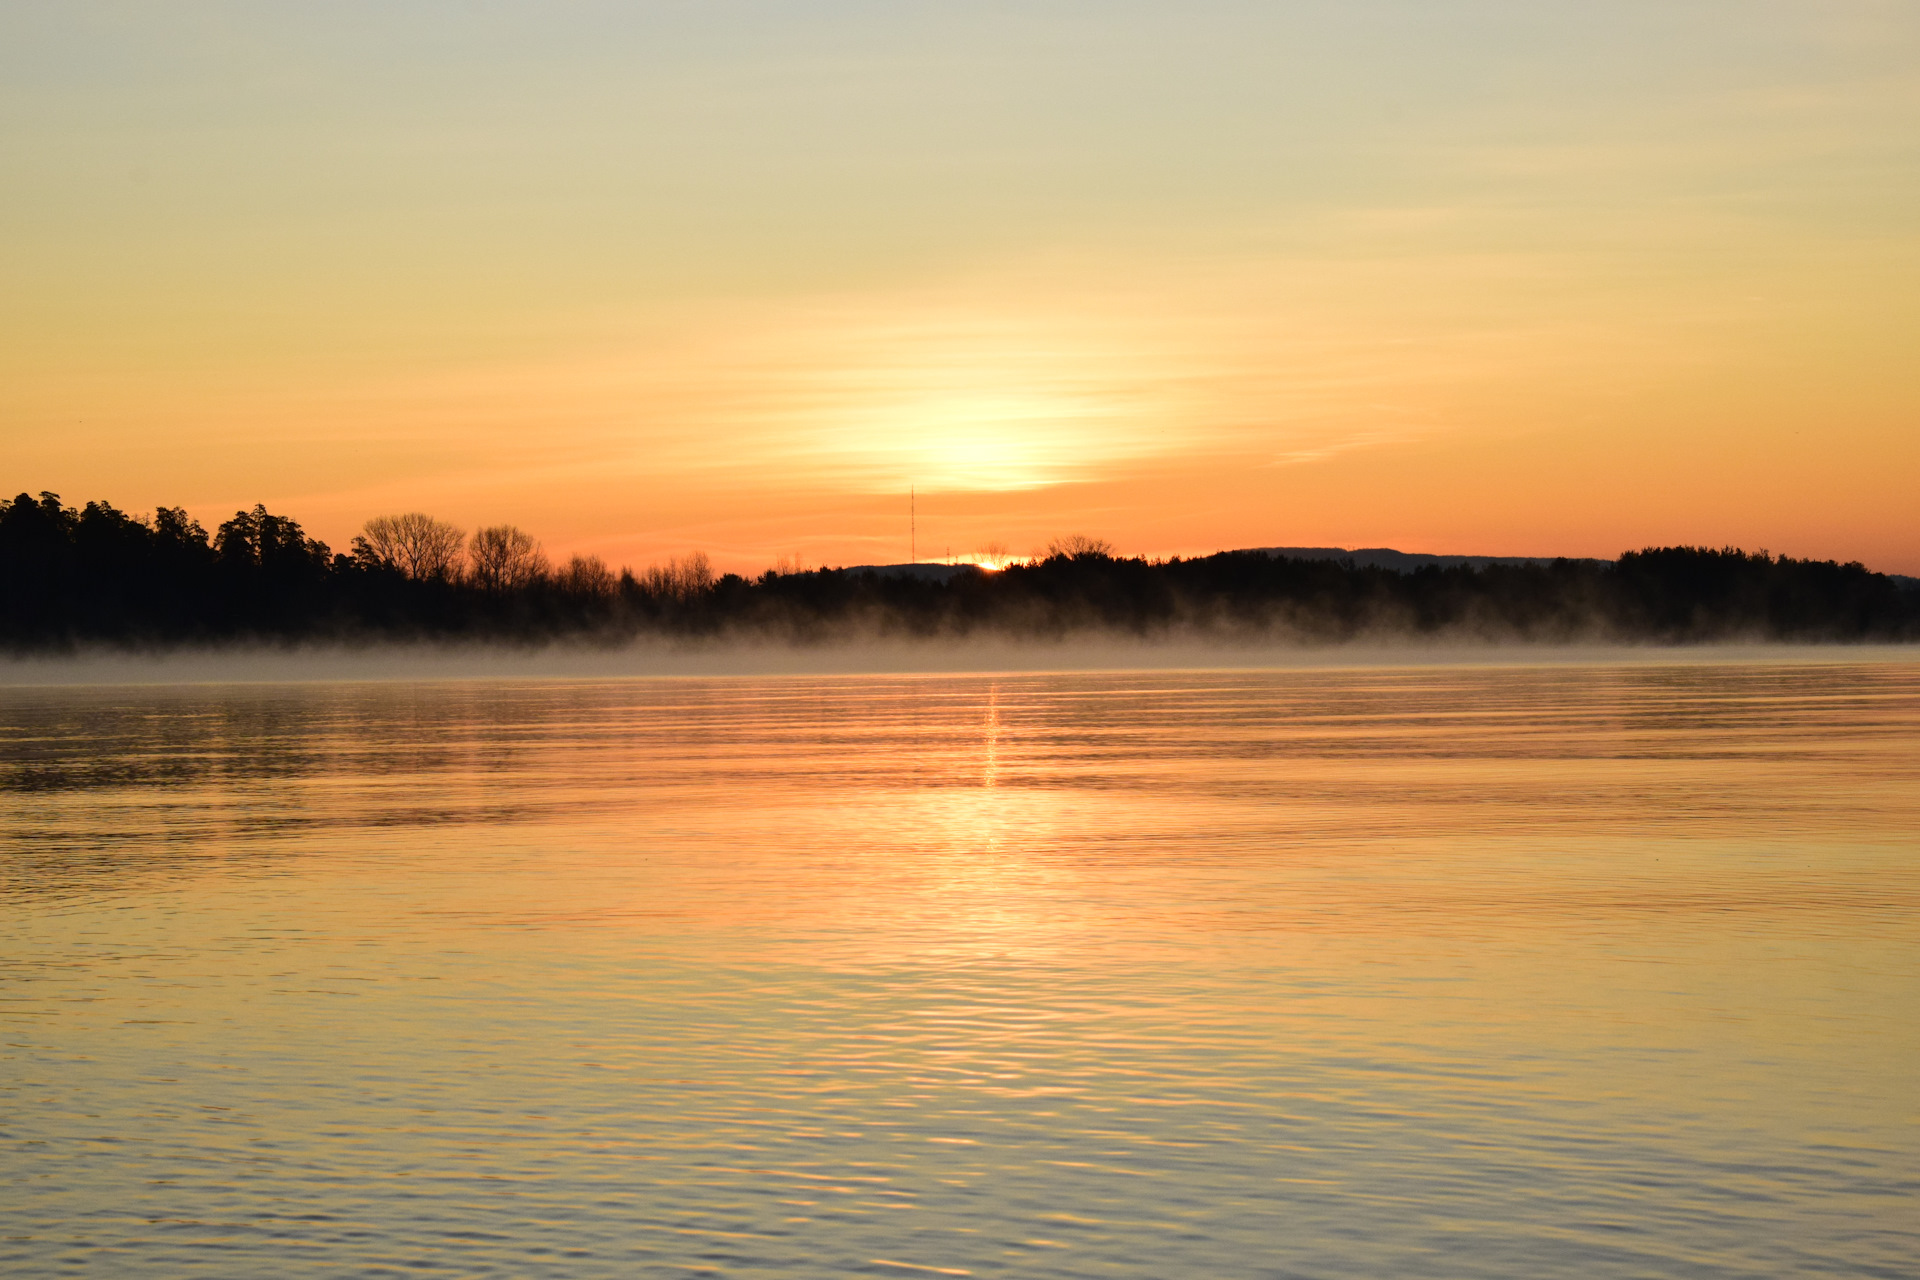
1473 971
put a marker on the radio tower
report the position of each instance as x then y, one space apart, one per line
913 526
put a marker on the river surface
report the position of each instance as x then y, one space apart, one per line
1471 971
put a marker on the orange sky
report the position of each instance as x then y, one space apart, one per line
1475 278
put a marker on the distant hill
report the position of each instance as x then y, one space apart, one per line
1402 561
921 572
1408 561
1365 558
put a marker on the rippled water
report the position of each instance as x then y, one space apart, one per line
1520 972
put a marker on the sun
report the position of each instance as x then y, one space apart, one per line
993 444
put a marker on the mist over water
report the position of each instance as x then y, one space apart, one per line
255 663
1460 967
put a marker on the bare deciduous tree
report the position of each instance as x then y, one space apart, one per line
1078 546
505 558
415 544
586 576
681 578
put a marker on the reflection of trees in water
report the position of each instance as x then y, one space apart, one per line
115 782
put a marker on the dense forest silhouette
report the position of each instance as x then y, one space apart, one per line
72 577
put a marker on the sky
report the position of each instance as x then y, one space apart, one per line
1476 276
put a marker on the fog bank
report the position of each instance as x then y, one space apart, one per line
647 658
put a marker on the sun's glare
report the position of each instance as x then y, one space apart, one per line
993 443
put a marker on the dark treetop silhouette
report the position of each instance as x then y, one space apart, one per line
97 575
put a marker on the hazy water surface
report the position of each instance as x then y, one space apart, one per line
1445 972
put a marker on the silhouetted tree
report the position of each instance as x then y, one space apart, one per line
180 538
272 574
1078 546
275 545
36 562
414 544
681 578
505 558
586 576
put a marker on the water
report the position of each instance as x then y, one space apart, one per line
1428 972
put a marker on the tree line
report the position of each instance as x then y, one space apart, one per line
96 575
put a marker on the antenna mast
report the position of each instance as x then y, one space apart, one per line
913 526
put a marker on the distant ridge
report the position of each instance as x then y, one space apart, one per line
1362 557
1408 561
923 571
1404 561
